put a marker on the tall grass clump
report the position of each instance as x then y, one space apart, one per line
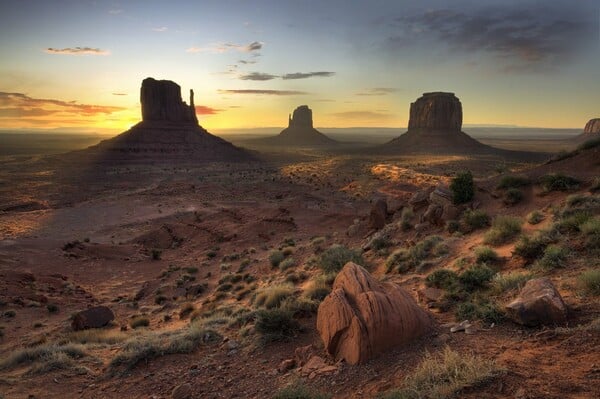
404 259
444 376
473 220
504 229
273 296
336 256
276 325
510 281
558 182
590 281
554 257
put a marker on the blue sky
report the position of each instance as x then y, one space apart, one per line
250 63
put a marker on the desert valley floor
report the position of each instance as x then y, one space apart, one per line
164 244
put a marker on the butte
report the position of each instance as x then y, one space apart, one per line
169 131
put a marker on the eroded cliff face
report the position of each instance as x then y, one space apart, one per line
161 101
593 126
438 110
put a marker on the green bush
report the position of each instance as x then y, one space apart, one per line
406 218
442 278
276 324
531 248
335 257
554 257
272 297
476 277
462 187
276 257
503 230
287 264
52 308
473 220
535 217
512 196
485 311
571 223
485 255
590 281
558 182
591 231
512 181
403 259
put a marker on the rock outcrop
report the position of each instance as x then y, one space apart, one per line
300 132
378 214
538 303
95 317
161 101
438 110
363 317
592 127
169 131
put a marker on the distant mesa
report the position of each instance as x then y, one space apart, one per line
169 130
592 127
300 132
435 127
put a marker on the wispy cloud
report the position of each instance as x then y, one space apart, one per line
225 47
160 29
258 76
247 62
306 75
77 51
263 92
15 105
518 37
205 110
378 91
119 94
115 11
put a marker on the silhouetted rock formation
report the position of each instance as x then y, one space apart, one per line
435 128
161 101
169 130
300 132
438 110
592 127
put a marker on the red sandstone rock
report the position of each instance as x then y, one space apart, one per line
538 303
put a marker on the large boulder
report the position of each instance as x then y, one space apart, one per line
95 317
593 126
437 110
538 303
363 317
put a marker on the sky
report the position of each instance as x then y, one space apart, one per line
79 65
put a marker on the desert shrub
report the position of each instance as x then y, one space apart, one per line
287 251
40 354
512 196
405 259
535 217
589 144
287 264
276 257
272 297
473 220
462 187
476 277
591 231
299 391
558 182
288 242
485 255
52 308
92 336
512 181
406 218
486 311
224 287
503 230
452 226
445 376
191 269
531 248
231 278
510 281
336 256
318 241
156 254
10 313
186 309
554 257
145 348
380 243
276 325
442 278
318 290
590 281
53 362
139 321
300 306
211 254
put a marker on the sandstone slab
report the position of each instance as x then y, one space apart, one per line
538 303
